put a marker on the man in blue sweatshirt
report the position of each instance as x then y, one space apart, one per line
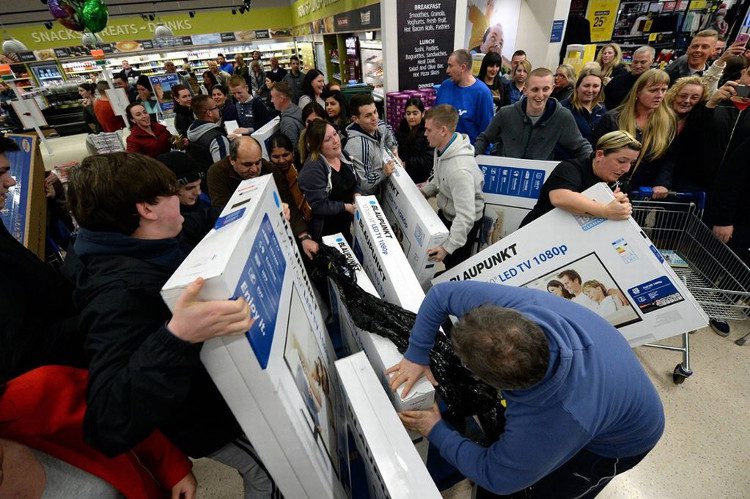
471 97
580 408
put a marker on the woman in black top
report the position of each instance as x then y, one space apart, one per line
489 73
614 155
87 92
329 183
413 147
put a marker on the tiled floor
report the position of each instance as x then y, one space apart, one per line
705 450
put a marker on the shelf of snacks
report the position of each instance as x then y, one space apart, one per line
372 61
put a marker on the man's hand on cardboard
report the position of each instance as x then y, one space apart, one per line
195 321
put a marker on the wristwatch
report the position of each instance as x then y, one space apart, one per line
305 237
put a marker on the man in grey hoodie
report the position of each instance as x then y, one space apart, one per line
456 182
532 127
371 142
208 139
291 115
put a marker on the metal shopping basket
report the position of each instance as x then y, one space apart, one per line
718 279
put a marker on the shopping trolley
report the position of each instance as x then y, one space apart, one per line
718 279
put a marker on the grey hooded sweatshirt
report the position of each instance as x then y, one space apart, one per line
369 151
457 184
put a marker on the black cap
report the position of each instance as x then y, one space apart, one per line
185 168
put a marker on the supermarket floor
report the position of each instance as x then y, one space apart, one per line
705 450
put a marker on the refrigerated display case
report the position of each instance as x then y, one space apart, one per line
372 66
47 73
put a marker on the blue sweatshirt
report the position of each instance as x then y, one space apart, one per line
474 104
595 395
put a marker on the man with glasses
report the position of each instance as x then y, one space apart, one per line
208 139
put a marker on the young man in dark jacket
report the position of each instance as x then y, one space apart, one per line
532 127
195 208
145 371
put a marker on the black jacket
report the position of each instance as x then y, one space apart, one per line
38 324
199 220
183 119
415 152
141 376
617 89
650 172
728 205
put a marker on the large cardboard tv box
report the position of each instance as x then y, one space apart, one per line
393 467
415 224
380 351
279 378
380 254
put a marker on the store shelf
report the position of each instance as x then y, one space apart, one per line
50 77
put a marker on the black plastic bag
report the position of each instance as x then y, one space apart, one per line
464 394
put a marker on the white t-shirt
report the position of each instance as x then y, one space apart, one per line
583 299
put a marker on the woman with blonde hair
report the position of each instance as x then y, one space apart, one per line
693 171
514 88
646 115
613 156
610 60
585 103
564 77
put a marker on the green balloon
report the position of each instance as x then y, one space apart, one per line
94 15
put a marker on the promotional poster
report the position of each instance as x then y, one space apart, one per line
492 26
610 267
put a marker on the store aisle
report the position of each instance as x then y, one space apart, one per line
705 450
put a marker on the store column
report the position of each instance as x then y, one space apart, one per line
535 30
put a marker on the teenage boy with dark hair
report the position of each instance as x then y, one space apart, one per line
368 139
145 371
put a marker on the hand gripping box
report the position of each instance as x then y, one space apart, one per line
610 267
278 378
414 223
392 464
380 351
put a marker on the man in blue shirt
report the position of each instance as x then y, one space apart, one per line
580 408
471 97
224 65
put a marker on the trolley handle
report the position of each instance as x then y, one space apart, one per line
698 197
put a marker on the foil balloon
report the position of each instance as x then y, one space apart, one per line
72 21
56 9
94 15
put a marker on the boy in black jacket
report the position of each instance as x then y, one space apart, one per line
145 370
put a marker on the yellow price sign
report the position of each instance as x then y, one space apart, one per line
602 15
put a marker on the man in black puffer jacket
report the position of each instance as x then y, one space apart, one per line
145 368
